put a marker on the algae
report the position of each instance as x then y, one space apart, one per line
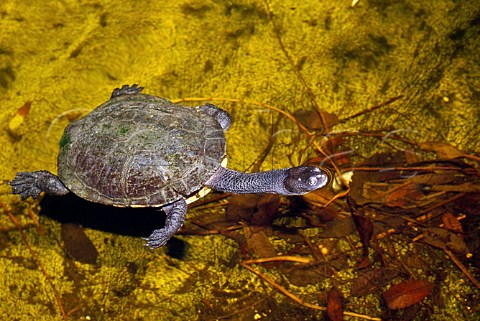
64 142
66 57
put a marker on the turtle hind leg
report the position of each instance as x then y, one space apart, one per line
176 213
33 183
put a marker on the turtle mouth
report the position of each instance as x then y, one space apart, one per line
326 177
321 179
318 181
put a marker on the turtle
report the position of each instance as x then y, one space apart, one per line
139 150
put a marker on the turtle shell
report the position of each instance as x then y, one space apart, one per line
139 150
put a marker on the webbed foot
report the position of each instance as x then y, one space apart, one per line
176 213
223 118
158 238
126 90
33 183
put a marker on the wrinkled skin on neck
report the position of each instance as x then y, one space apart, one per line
288 181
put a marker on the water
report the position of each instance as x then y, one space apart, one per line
63 58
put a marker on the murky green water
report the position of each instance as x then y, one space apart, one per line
60 59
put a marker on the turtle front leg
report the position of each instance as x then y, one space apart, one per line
33 183
176 213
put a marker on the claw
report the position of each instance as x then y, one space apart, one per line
158 238
126 90
33 183
24 185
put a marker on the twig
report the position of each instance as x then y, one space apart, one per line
368 110
289 258
444 202
401 168
462 268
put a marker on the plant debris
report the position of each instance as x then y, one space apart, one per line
392 199
407 293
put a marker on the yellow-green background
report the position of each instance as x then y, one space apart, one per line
67 56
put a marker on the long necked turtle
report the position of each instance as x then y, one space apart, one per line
137 150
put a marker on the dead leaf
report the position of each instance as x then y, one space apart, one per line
403 196
308 275
319 197
25 109
19 117
467 187
444 239
241 207
365 262
308 118
444 151
371 281
366 283
266 209
334 305
255 209
363 225
364 228
433 178
313 120
77 244
451 222
410 156
407 293
259 243
316 201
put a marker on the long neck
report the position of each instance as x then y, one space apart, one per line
227 180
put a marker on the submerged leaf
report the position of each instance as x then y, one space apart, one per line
403 196
254 209
334 305
371 281
313 120
19 117
259 243
363 225
444 151
444 239
77 244
407 293
451 222
319 197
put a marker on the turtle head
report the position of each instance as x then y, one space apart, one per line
303 179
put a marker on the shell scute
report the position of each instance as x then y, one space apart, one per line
140 150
